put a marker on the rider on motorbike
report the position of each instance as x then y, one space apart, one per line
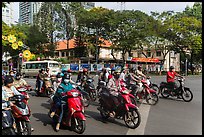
133 80
18 82
171 77
140 73
40 79
58 97
114 85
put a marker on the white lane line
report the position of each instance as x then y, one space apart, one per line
144 112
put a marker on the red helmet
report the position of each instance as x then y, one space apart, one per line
110 76
85 70
69 71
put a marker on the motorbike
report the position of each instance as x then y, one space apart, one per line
125 109
73 114
90 89
153 85
21 113
147 93
47 89
8 121
182 91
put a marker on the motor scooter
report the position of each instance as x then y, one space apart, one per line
21 113
125 109
8 121
73 111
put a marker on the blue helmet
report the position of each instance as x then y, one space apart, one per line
113 69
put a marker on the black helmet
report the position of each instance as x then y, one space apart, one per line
171 67
139 67
66 76
18 74
59 75
8 80
42 69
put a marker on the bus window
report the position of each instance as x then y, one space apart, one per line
28 66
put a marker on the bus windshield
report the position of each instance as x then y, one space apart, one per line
54 65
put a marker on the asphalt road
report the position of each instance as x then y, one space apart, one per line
168 117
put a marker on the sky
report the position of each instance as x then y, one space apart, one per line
146 7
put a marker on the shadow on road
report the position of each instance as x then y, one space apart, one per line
172 98
44 118
97 116
45 105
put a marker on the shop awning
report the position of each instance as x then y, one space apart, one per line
152 60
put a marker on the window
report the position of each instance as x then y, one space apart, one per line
7 11
148 54
158 53
28 66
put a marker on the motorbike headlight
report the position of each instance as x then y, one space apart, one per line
22 89
74 94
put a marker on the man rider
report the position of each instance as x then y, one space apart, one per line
171 77
139 72
19 82
58 97
40 79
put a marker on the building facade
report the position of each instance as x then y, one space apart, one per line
7 14
27 10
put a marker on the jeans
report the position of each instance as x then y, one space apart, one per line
58 103
40 84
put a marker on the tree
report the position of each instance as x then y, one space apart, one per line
47 19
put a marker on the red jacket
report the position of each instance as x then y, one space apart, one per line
171 76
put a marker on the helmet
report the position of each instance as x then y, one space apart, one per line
171 67
85 70
59 75
69 71
110 76
42 69
113 69
18 76
66 76
139 67
8 80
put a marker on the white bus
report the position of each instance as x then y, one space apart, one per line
31 68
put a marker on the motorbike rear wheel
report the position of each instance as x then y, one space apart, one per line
187 95
152 99
80 128
164 92
132 118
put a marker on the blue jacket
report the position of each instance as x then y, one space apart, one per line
66 87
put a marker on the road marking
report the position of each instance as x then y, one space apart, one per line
144 112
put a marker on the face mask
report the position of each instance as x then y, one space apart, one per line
12 75
66 81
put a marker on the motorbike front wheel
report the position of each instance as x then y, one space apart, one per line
26 128
152 99
187 95
78 125
132 118
86 100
